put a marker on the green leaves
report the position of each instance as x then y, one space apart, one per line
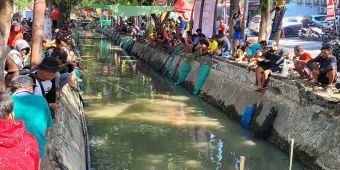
23 3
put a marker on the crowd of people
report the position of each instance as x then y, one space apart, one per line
263 57
28 106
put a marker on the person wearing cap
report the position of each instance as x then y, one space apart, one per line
44 78
18 148
323 68
272 61
32 109
301 62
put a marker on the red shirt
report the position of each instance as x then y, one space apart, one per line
18 148
55 15
305 56
14 36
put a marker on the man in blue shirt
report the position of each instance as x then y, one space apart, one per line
324 67
32 109
182 25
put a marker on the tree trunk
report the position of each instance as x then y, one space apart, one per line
6 8
158 24
234 8
266 20
38 31
48 20
279 9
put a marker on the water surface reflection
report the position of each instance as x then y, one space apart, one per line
154 124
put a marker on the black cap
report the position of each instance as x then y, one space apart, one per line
49 64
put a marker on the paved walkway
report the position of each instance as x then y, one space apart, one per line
311 46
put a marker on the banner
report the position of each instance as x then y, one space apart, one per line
196 15
208 19
184 9
330 10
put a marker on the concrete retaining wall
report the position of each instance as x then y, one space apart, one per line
309 119
66 148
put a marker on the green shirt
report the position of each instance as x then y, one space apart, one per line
35 113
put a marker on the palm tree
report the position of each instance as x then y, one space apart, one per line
6 8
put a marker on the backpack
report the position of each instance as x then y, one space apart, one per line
34 78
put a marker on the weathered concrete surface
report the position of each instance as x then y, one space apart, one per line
66 149
312 121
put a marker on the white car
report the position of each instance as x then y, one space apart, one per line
254 24
289 24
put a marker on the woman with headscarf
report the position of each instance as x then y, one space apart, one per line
16 33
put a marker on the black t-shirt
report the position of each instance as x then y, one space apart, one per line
223 44
204 41
243 48
276 58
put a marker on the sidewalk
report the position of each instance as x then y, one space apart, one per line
311 46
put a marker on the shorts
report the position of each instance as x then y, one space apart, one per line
264 65
237 35
323 79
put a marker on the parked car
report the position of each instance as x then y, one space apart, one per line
290 25
254 24
317 19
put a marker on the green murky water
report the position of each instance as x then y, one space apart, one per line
155 125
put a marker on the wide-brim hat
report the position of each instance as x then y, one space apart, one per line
49 64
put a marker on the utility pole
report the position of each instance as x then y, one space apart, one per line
245 17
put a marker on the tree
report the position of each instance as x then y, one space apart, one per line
6 8
266 20
37 31
21 4
280 9
234 8
48 20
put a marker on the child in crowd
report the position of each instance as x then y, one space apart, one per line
239 52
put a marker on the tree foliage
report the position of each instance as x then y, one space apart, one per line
22 3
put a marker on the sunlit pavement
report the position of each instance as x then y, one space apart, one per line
311 46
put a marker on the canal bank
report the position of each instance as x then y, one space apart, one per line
140 120
66 141
310 120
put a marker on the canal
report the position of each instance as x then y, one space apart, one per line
139 120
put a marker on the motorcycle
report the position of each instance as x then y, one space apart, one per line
311 33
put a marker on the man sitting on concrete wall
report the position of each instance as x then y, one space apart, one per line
272 61
323 68
301 62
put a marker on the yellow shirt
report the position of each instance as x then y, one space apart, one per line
212 46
